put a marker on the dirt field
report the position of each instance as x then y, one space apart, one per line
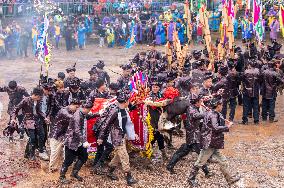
255 152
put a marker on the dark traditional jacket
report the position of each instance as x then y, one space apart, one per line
270 80
251 82
76 133
198 77
154 111
212 131
15 96
233 79
222 84
103 75
111 126
194 117
60 101
96 94
29 108
61 123
68 81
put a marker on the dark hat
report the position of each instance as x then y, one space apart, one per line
238 50
47 86
122 96
37 91
271 64
208 75
195 98
87 104
223 70
215 102
231 64
12 84
99 83
61 75
100 64
75 101
154 81
185 82
71 69
93 70
114 86
196 54
126 67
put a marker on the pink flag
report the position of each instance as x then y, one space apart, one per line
256 12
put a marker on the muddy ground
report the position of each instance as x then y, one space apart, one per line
255 152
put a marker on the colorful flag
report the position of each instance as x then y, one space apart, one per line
131 39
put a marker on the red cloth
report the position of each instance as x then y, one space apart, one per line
98 105
138 125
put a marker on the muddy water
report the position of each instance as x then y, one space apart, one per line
255 152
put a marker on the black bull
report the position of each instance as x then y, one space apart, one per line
177 107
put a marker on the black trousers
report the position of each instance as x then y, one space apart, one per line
185 149
160 139
36 138
70 155
103 152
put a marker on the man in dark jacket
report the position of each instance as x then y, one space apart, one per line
271 79
30 109
58 131
193 126
76 143
16 94
124 79
102 74
212 140
251 87
116 125
99 92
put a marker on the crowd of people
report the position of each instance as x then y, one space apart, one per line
117 29
58 108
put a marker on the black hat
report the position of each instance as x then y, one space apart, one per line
37 91
185 82
195 98
93 70
215 102
122 96
231 64
208 75
114 86
71 69
155 81
99 83
12 84
87 104
100 64
223 70
196 54
61 75
75 101
47 86
126 67
238 50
